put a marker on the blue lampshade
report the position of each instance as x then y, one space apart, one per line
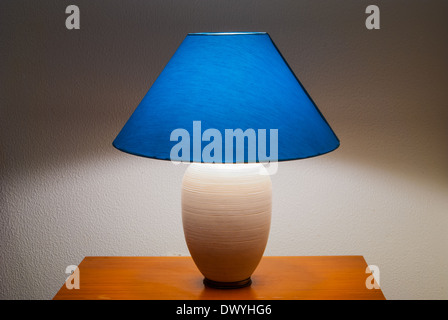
227 81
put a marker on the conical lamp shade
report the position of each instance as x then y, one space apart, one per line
227 81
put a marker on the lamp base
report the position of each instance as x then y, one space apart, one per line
227 285
226 215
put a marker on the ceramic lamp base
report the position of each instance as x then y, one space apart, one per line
226 215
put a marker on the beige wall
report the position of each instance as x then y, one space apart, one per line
67 193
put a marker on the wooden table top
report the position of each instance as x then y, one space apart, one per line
177 278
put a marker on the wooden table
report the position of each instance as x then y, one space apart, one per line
177 278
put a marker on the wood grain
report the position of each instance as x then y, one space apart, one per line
177 278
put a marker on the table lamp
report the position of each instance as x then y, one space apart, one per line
227 103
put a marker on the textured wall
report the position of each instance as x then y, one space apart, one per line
67 193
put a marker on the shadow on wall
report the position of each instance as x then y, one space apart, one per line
66 94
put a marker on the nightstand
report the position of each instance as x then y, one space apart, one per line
177 278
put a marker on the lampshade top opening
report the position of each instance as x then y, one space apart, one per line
225 33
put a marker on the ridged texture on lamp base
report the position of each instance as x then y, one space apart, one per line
226 214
